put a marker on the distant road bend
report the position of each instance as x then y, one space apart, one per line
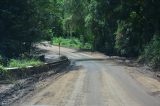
93 81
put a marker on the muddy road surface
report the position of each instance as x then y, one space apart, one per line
95 81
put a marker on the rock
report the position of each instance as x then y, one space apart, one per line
42 58
158 75
127 61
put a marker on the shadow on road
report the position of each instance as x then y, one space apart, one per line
39 51
90 59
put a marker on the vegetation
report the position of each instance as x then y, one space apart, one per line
17 63
22 23
128 28
71 42
151 53
3 72
1 68
23 63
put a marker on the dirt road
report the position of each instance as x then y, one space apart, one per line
95 82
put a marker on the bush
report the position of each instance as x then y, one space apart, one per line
3 73
1 68
70 42
1 60
151 54
122 39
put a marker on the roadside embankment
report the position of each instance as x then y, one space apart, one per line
22 80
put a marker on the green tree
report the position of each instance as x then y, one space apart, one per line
23 23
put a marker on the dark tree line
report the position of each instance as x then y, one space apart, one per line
23 22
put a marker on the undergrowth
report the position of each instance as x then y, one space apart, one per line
70 42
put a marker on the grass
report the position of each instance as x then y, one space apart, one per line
23 63
18 63
70 42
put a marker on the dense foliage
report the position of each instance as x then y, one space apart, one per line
22 22
128 28
71 42
116 27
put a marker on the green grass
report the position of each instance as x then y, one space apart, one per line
18 63
23 63
70 42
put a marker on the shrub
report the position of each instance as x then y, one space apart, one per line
1 60
151 54
70 42
1 68
3 73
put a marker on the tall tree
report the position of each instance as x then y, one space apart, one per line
22 23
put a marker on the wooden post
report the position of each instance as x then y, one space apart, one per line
59 49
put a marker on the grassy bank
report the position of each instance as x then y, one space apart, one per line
71 42
20 63
16 63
